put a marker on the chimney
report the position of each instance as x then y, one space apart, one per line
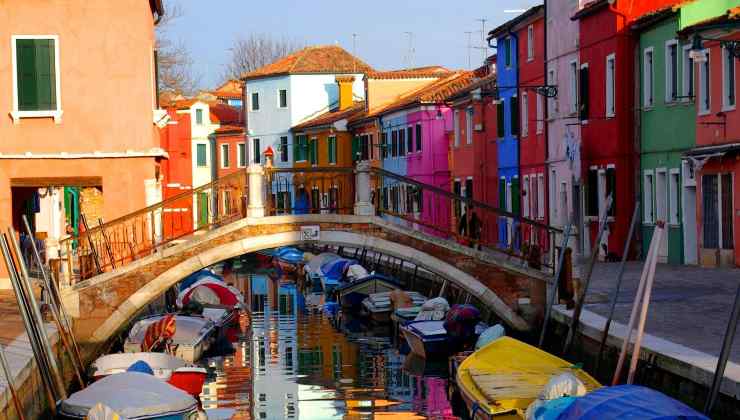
345 91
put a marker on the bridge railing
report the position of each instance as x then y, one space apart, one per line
102 247
316 190
439 212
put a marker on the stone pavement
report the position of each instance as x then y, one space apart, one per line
689 305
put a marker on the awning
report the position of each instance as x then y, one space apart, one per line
718 150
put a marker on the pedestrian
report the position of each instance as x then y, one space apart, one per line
474 227
462 225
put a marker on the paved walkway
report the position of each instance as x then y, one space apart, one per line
689 305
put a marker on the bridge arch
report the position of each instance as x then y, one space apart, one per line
137 300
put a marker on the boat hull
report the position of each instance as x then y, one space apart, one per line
426 347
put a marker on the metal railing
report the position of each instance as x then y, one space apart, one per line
102 247
439 212
309 190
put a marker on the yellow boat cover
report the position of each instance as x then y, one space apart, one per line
508 375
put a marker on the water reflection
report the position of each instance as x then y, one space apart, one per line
304 367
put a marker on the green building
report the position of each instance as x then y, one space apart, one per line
667 129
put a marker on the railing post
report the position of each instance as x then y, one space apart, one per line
256 175
363 206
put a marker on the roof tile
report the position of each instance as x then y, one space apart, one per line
326 59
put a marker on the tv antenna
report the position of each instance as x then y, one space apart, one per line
410 53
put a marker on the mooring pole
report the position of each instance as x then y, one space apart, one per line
724 354
617 288
556 279
11 383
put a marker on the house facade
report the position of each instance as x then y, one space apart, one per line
667 131
294 89
177 170
62 139
715 157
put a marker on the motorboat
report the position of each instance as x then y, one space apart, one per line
351 295
506 376
426 339
183 336
313 271
132 395
378 306
220 302
171 369
332 273
288 258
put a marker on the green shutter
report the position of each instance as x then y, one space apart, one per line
35 67
502 194
355 147
515 197
514 104
312 151
500 119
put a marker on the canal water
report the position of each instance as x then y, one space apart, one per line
297 363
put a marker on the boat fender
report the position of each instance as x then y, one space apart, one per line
563 385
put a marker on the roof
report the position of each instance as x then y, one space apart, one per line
511 24
590 8
653 17
230 129
412 73
732 15
231 89
331 117
323 59
475 83
435 92
224 114
714 150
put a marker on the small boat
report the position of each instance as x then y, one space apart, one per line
622 401
220 301
288 258
171 369
427 339
313 269
132 395
186 337
352 294
503 378
332 273
378 306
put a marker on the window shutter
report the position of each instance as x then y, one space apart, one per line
592 193
45 74
500 119
514 107
583 90
502 194
26 70
355 147
515 196
418 137
296 148
611 188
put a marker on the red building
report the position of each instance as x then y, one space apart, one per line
532 136
231 151
473 157
609 158
716 158
176 171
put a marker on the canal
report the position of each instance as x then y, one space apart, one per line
296 362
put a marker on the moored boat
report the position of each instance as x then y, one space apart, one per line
378 306
503 378
132 395
186 337
426 339
352 294
288 258
171 369
332 273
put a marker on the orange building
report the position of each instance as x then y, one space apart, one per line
79 108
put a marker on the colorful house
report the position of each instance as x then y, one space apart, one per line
177 170
667 131
606 113
563 126
712 26
294 89
230 92
75 139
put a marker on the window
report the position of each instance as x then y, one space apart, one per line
527 196
500 119
282 98
671 70
541 196
255 101
573 87
563 202
469 188
199 116
705 99
456 128
514 104
36 81
201 155
410 139
507 52
552 191
718 211
332 149
583 111
611 84
370 147
225 163
401 142
457 190
540 114
661 195
394 143
242 155
300 152
256 150
283 148
530 42
552 103
418 138
469 126
688 73
313 151
648 185
611 188
728 79
592 193
673 188
647 78
384 145
525 114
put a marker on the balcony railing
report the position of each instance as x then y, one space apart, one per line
310 190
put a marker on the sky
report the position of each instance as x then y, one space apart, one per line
209 28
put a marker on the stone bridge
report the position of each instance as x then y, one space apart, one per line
106 303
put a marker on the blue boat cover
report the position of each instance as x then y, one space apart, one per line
197 276
290 255
628 402
141 367
335 269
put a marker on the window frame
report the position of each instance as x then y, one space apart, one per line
469 125
456 128
241 151
205 155
705 95
552 103
313 151
688 76
648 198
225 157
541 196
198 116
539 114
280 98
674 218
662 212
256 150
611 87
284 149
252 102
527 197
727 79
418 136
524 115
670 66
530 42
648 78
331 149
16 114
573 76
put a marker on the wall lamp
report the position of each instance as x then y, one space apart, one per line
699 55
